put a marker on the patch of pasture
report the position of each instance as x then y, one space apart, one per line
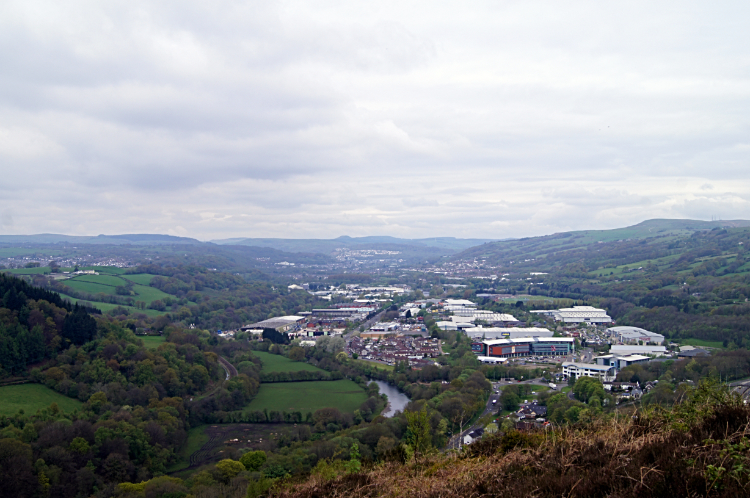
278 363
139 278
308 396
149 294
33 397
153 341
99 279
89 287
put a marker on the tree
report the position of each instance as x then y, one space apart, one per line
227 469
78 326
297 354
275 336
418 432
509 400
253 460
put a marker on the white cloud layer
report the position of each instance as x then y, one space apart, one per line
414 119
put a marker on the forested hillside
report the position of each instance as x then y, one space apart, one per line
35 324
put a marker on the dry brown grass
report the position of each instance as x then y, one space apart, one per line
650 455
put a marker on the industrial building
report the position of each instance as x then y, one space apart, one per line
458 304
486 316
529 346
646 350
480 333
634 335
605 373
352 314
620 361
280 323
578 314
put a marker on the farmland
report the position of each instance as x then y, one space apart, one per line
33 397
153 341
104 307
140 278
208 443
278 363
308 396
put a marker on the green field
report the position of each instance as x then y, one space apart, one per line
148 294
28 271
100 279
196 438
373 364
33 397
109 306
89 287
701 343
153 341
308 396
278 363
139 278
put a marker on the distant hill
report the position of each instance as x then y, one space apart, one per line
51 238
543 247
328 246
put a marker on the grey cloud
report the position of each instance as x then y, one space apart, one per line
410 119
6 218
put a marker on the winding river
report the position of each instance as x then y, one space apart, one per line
397 400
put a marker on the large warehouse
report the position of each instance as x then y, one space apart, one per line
529 346
578 314
634 335
480 333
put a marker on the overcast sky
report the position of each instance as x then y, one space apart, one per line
413 119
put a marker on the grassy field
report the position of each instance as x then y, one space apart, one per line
375 364
100 279
278 363
33 397
196 438
28 271
149 294
89 287
308 396
139 278
153 341
108 306
701 343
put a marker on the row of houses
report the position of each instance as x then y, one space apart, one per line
416 350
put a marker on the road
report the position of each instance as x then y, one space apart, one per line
742 387
369 323
491 407
228 368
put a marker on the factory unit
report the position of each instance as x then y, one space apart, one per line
634 335
645 350
481 333
529 346
280 323
578 314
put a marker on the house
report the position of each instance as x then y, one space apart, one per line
532 411
473 435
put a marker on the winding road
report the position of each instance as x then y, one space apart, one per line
228 368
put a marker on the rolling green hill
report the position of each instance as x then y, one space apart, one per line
544 251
